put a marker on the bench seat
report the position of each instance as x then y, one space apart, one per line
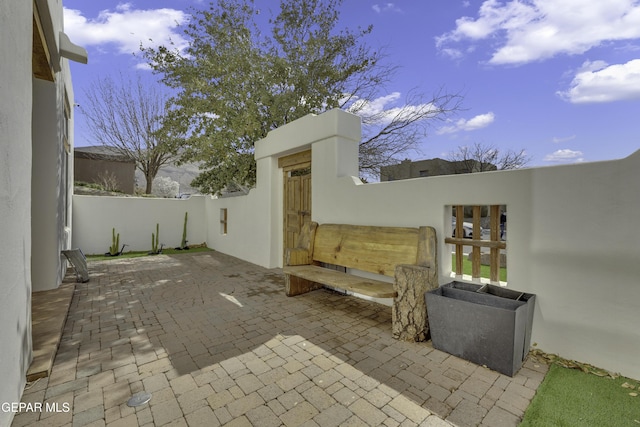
344 281
403 254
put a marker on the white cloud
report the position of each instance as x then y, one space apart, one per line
557 140
534 30
126 28
382 110
599 82
385 7
478 122
565 156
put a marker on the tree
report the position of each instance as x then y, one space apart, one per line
235 83
481 157
164 186
127 116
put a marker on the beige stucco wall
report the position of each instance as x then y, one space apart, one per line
15 201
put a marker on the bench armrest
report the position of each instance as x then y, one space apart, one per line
296 256
415 279
409 313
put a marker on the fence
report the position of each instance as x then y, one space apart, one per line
477 242
571 240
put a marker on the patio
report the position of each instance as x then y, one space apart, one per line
216 342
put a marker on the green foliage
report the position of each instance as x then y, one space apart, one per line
485 270
183 243
234 84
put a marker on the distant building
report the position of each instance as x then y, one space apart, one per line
433 167
103 165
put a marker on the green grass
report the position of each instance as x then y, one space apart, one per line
571 397
138 254
485 270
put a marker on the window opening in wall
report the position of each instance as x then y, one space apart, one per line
479 237
223 221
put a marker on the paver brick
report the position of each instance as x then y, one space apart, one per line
243 405
166 412
194 399
498 417
290 399
292 381
367 412
467 413
377 398
409 409
202 417
299 414
249 383
318 398
263 416
335 415
475 387
320 359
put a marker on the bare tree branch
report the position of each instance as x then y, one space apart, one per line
482 157
127 116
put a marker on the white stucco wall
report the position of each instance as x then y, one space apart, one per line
135 218
572 240
52 163
15 202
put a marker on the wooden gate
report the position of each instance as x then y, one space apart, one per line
297 195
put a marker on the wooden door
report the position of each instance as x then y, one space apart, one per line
297 206
297 195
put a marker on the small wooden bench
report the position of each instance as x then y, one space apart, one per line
406 254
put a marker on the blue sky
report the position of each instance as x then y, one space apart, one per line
560 79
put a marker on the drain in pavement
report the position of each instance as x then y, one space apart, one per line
139 399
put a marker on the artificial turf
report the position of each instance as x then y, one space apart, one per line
571 397
138 254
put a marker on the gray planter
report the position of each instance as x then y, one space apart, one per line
484 324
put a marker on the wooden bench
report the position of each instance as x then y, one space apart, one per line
408 255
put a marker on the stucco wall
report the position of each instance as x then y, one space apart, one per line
52 164
15 202
572 240
571 236
135 218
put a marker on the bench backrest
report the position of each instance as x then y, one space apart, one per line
373 249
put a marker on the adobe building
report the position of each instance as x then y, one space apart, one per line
433 167
101 164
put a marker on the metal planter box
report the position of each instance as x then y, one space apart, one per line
484 324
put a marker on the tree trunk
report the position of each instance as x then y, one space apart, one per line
410 322
149 184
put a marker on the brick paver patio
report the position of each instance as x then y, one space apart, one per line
216 342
